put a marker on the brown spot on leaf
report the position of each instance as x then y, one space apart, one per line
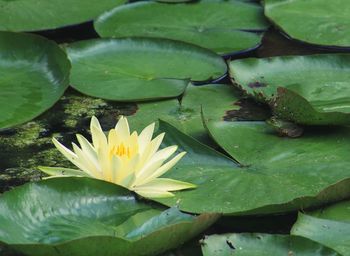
256 85
249 111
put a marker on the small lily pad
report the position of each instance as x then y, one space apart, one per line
329 226
136 69
224 27
310 90
320 22
247 244
31 15
83 216
34 75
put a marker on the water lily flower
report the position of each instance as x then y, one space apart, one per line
130 160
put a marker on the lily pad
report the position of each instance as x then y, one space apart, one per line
310 90
34 75
320 22
218 99
329 226
286 174
82 216
224 27
247 244
136 69
31 15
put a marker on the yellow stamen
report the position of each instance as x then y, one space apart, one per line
120 150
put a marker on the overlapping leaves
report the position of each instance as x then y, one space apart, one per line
221 26
82 216
272 165
140 69
311 90
329 226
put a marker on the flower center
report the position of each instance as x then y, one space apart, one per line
120 150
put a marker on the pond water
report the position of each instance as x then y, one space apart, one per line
27 146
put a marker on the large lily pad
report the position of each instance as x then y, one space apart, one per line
223 27
262 245
286 174
34 75
311 90
83 217
320 22
329 226
30 15
139 69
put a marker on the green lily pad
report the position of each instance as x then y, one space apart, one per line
320 22
247 244
285 174
82 216
310 90
136 69
31 15
329 226
223 27
218 99
34 75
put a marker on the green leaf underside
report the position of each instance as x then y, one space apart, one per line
252 244
310 90
82 216
30 15
329 226
34 75
320 22
286 174
138 69
223 27
218 99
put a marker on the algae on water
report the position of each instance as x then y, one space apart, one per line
28 146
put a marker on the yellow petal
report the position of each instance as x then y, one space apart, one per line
165 167
164 184
127 169
132 144
104 162
127 181
67 153
155 144
151 193
86 164
150 150
113 138
116 167
95 129
122 128
145 137
146 171
162 154
88 149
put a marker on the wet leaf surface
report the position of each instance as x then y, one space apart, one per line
34 75
136 69
224 27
